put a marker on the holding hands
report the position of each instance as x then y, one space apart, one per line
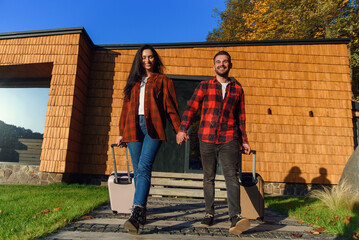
181 136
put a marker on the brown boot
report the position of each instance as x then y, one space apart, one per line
239 225
133 223
142 215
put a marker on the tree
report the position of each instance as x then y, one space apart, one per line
292 19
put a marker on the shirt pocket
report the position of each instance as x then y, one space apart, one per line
235 97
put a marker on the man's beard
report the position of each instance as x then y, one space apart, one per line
223 74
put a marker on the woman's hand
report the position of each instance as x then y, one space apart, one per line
180 137
119 141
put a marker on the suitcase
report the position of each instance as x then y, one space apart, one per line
121 187
252 193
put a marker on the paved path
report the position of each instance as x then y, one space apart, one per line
180 219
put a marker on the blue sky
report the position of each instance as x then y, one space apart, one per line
106 22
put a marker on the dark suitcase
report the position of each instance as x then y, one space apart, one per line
252 193
121 187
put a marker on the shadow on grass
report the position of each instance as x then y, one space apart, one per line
284 204
350 231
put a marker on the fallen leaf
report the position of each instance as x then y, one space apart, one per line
296 235
27 201
316 233
65 219
309 232
308 208
68 207
87 217
35 217
45 211
333 223
0 210
320 229
56 209
300 222
347 220
355 237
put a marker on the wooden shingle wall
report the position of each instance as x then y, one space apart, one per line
61 141
76 140
298 104
108 77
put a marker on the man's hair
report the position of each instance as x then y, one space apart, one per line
223 53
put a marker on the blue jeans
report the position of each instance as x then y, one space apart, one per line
143 154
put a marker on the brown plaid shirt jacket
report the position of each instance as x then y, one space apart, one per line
160 101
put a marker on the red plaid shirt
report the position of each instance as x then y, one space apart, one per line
222 120
160 100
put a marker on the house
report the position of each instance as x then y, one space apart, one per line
297 95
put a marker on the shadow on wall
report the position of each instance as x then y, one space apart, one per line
97 121
294 184
319 183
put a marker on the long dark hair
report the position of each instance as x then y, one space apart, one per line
138 71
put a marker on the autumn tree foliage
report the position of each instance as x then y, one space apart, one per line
291 19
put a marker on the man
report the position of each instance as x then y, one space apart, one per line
221 134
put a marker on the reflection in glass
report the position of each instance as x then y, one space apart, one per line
22 120
174 158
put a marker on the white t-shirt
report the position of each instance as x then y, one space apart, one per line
224 86
141 106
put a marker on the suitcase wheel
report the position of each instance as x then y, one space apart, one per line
115 212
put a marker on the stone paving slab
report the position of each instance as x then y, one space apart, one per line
180 219
126 236
197 224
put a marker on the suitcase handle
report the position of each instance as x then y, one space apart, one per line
254 165
114 163
254 180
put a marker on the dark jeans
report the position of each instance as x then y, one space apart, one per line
228 154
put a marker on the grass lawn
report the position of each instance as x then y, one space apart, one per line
29 212
339 222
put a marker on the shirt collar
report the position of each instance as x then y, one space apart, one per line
152 77
229 82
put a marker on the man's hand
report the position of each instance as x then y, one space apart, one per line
180 137
246 148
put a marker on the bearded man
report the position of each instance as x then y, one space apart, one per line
222 135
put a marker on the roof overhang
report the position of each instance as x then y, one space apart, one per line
81 30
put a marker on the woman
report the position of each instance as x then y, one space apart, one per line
148 97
